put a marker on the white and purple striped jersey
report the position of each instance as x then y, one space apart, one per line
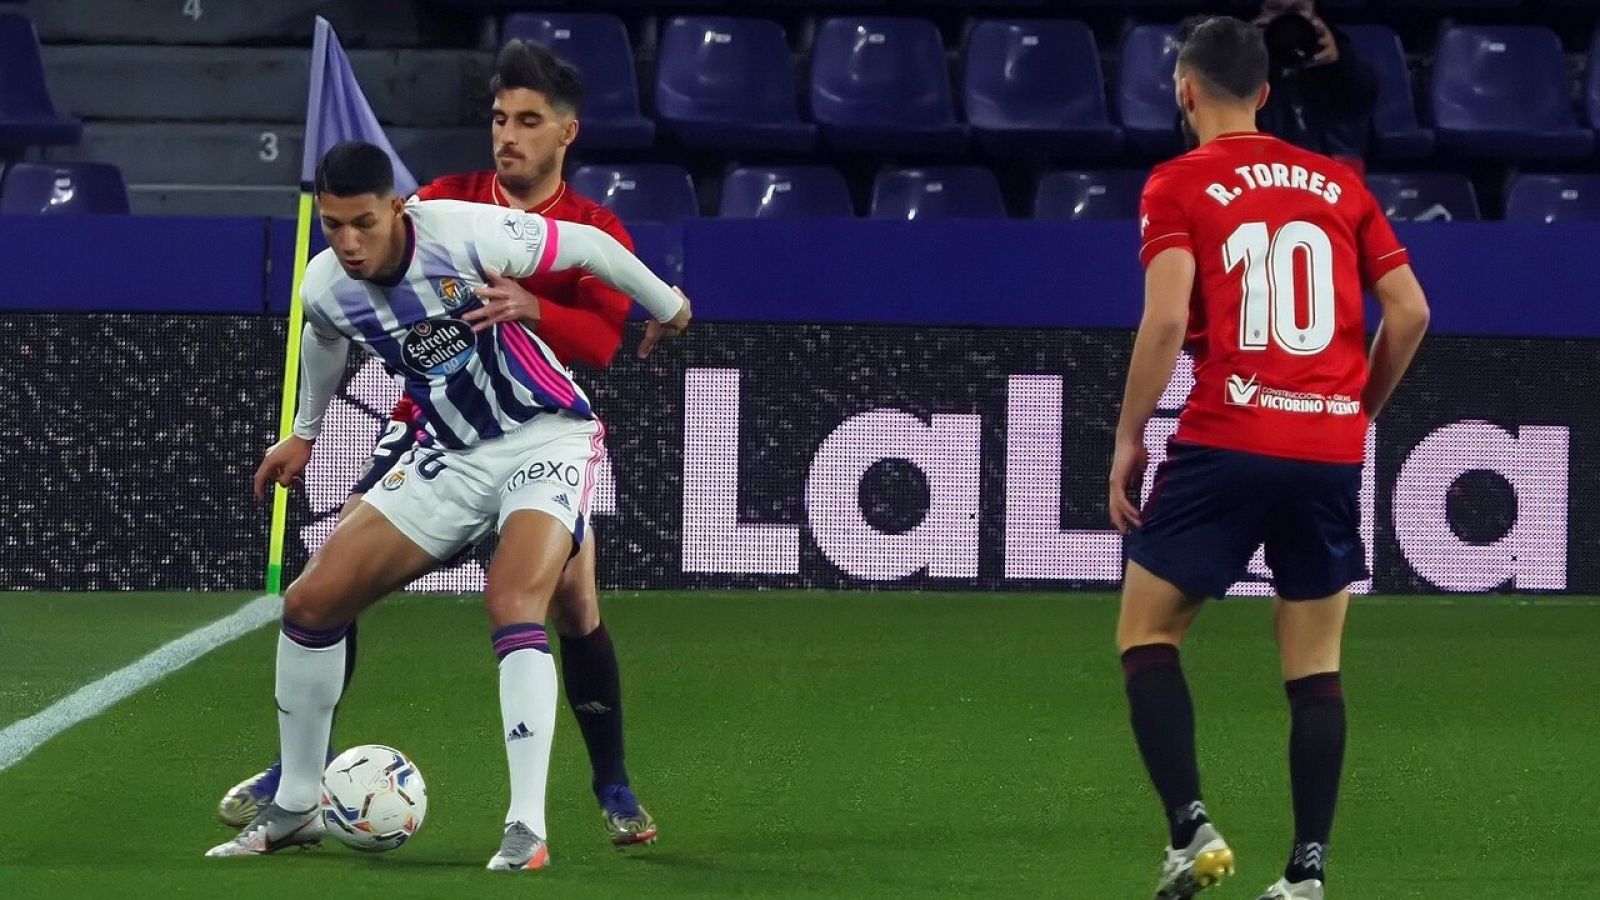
470 387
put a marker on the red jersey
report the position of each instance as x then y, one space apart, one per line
580 316
1284 241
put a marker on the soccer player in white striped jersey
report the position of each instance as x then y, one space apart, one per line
512 445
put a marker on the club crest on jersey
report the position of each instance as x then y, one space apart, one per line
393 480
453 292
437 347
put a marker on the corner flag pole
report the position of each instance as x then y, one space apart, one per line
336 110
291 384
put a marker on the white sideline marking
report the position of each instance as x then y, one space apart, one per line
24 736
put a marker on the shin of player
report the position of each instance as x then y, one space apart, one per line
1256 254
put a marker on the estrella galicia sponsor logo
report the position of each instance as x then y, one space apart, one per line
1241 392
543 471
437 347
453 292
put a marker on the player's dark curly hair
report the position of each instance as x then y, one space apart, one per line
353 168
1228 53
532 66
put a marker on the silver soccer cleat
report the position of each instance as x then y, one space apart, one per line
1206 861
1310 889
274 829
520 851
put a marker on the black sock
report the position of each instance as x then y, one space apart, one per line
1316 755
1163 724
594 690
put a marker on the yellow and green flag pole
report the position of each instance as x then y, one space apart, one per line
291 382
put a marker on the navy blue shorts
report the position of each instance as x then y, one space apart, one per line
1210 509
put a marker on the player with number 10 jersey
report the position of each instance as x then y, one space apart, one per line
1276 327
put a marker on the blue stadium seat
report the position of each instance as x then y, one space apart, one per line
1503 93
1108 194
32 189
1425 197
1036 84
1396 131
1591 84
937 192
598 45
1145 103
882 85
786 192
28 117
727 83
1554 198
646 192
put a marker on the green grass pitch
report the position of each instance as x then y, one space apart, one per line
818 744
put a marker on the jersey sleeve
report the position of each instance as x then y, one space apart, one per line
514 243
1381 251
1163 221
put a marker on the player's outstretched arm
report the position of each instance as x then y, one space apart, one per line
1168 283
321 368
1405 321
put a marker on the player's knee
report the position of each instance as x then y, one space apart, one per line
308 605
515 603
575 613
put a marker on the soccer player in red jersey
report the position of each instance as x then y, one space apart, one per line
1256 254
536 102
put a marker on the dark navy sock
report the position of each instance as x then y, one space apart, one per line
1163 725
594 690
1316 757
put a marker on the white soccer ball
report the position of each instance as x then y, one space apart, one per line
373 798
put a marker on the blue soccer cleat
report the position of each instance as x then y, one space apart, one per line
245 800
628 823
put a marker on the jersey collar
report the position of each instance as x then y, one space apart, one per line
501 198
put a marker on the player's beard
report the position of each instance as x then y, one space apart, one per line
522 182
1191 138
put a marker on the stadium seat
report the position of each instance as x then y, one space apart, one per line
1503 93
882 85
1425 197
1145 103
1396 131
63 189
786 192
28 117
1034 84
1554 198
1591 84
598 45
727 83
937 192
647 192
1112 194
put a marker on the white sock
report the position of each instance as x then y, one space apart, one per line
528 721
310 680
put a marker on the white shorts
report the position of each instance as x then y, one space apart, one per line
444 500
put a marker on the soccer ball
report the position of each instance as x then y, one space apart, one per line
373 798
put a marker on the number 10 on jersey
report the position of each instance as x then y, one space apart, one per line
1269 311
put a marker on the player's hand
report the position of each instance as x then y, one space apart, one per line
1328 49
503 301
284 463
654 331
1127 467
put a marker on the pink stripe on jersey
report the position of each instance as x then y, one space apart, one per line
552 242
539 368
597 452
